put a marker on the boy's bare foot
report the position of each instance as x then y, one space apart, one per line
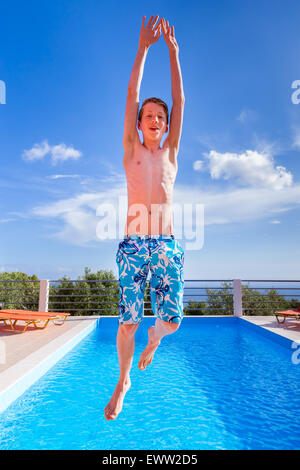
114 407
148 353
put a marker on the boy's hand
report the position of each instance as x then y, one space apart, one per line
148 34
169 35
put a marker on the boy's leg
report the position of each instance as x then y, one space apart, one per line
155 334
125 347
133 268
167 285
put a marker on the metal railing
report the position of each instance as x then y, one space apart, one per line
201 297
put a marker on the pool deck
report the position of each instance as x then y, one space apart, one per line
290 329
24 357
15 346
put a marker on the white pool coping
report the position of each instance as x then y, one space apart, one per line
289 330
15 380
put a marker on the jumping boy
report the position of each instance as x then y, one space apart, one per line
149 242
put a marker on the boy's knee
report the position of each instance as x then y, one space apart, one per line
170 326
127 331
174 326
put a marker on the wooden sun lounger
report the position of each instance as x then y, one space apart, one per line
38 319
288 314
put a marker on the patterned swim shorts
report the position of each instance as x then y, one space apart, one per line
164 256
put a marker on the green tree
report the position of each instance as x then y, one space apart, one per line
92 294
256 302
69 296
17 293
220 302
104 292
195 308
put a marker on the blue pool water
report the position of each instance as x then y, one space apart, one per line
214 384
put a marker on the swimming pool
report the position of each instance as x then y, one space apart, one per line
214 384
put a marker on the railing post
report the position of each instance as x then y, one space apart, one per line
44 295
237 298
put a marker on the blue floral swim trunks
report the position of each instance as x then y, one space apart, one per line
164 256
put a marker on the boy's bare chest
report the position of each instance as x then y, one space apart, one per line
143 166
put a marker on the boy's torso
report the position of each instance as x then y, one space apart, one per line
150 181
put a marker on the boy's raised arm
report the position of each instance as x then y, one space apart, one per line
149 34
178 98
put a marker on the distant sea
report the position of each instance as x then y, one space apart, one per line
196 291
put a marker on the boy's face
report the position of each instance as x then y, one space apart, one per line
154 121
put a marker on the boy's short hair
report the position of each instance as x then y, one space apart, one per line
157 101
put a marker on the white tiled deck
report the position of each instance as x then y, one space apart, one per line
290 329
16 346
25 357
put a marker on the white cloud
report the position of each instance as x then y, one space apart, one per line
62 152
240 205
250 168
37 152
246 115
77 217
275 222
55 177
4 221
57 153
198 165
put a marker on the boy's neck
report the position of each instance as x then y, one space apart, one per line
152 146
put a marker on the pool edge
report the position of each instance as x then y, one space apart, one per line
18 378
274 336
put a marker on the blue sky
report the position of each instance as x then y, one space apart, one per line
66 66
